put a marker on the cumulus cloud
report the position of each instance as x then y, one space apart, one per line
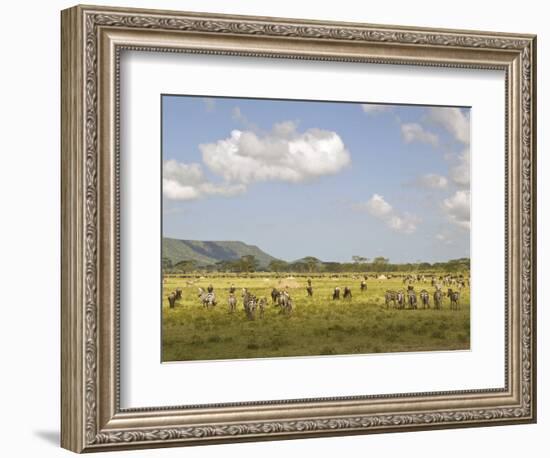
372 108
378 207
433 181
182 181
414 132
284 154
453 120
460 172
457 208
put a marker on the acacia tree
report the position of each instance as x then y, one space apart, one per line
187 265
249 263
278 265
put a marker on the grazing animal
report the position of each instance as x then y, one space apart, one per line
438 299
390 296
208 299
285 302
178 293
410 288
210 288
411 296
232 289
425 299
400 298
172 299
309 290
261 305
275 293
232 301
250 306
454 296
347 293
336 294
363 285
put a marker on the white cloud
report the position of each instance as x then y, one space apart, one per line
372 108
453 120
378 207
414 132
444 238
284 154
460 172
433 181
182 181
457 208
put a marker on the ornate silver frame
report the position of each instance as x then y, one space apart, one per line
92 39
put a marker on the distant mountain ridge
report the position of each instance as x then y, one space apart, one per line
210 252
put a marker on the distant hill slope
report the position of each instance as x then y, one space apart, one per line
211 252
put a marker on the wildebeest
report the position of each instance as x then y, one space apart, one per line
172 299
438 298
275 293
309 290
208 299
425 299
232 301
178 293
411 298
363 285
347 293
390 297
336 294
210 288
454 296
400 298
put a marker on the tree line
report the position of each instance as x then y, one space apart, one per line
310 264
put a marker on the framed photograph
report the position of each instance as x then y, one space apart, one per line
278 228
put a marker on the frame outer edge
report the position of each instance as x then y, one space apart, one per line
72 249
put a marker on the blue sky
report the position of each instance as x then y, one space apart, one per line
323 179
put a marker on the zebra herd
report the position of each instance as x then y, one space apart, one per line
401 299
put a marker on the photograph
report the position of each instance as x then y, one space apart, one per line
313 228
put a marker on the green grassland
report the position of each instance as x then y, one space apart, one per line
317 326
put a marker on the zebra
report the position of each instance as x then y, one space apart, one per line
347 293
275 293
363 285
336 294
390 296
178 293
250 306
261 305
309 290
285 302
411 298
208 299
172 299
438 298
232 301
454 296
425 299
400 298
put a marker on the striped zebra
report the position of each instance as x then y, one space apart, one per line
390 297
232 301
411 296
285 302
454 296
208 299
438 299
425 299
400 299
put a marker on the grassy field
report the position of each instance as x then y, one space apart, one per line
317 326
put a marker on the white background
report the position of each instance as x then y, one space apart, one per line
145 76
29 245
